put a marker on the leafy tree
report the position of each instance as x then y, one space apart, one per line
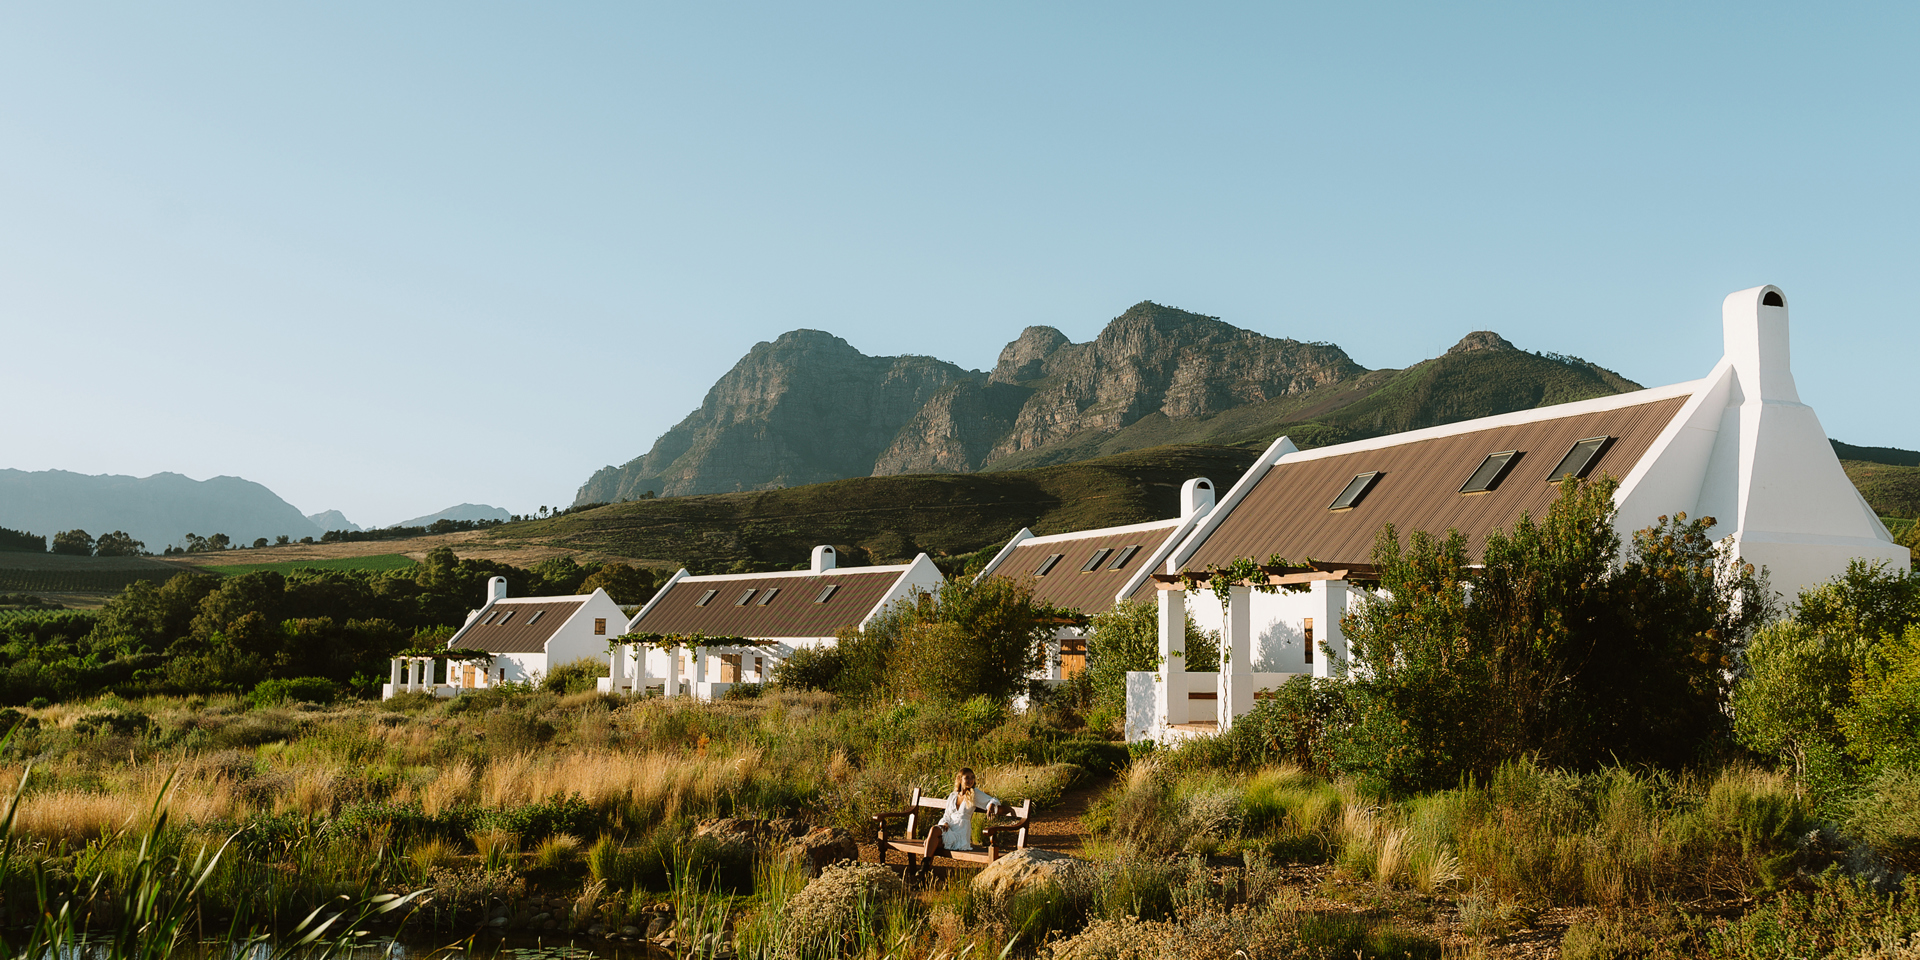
118 544
1882 724
625 584
259 542
1126 637
1787 704
281 540
73 543
963 640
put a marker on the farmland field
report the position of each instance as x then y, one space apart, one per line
383 561
45 573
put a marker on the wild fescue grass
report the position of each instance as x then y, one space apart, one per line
1610 838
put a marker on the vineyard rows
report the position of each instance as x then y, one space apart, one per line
75 581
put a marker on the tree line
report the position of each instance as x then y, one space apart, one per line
198 633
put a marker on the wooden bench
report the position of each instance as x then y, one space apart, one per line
915 842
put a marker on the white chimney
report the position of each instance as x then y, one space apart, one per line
823 558
1196 497
496 589
1754 322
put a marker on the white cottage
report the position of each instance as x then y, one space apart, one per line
783 611
1737 445
526 636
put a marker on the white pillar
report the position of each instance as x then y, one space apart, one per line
1171 691
393 678
1330 643
616 667
419 681
699 669
1235 692
672 688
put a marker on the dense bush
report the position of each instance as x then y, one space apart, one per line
272 693
963 640
1556 645
579 676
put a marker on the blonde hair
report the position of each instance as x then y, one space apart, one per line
959 784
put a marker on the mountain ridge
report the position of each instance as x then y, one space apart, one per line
807 407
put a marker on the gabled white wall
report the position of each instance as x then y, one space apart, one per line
575 638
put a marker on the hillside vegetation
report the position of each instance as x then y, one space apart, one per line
1891 491
880 519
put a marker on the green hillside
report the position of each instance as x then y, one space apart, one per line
1892 491
886 519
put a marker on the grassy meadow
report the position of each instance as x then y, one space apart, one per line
526 812
376 562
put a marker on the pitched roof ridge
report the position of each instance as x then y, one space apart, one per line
570 598
771 574
1147 527
1558 411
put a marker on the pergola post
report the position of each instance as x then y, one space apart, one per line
1171 691
1236 658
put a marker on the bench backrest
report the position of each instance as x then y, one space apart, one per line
1022 811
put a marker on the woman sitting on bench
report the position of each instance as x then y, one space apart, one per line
955 829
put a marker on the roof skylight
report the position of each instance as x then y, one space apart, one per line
745 597
1046 566
1093 563
504 619
1126 553
827 593
1579 459
766 596
1355 489
535 618
1492 471
709 595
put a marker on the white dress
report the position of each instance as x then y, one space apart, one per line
956 824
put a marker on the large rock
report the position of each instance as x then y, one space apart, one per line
821 848
1026 870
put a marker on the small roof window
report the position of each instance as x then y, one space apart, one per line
766 596
1492 470
827 593
1355 489
504 618
745 597
705 597
1046 566
1093 563
535 618
1579 459
1126 553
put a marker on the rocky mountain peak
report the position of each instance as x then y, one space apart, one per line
1025 357
1481 340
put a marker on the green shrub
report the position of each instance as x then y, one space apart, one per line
511 730
1885 814
273 693
1840 918
810 668
580 676
744 691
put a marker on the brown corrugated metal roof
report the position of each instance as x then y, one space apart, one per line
1091 592
518 626
1286 511
791 613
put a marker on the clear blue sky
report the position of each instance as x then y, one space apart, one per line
390 257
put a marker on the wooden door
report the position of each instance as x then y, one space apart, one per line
729 668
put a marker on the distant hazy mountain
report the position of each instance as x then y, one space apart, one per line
333 520
464 511
808 407
160 510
